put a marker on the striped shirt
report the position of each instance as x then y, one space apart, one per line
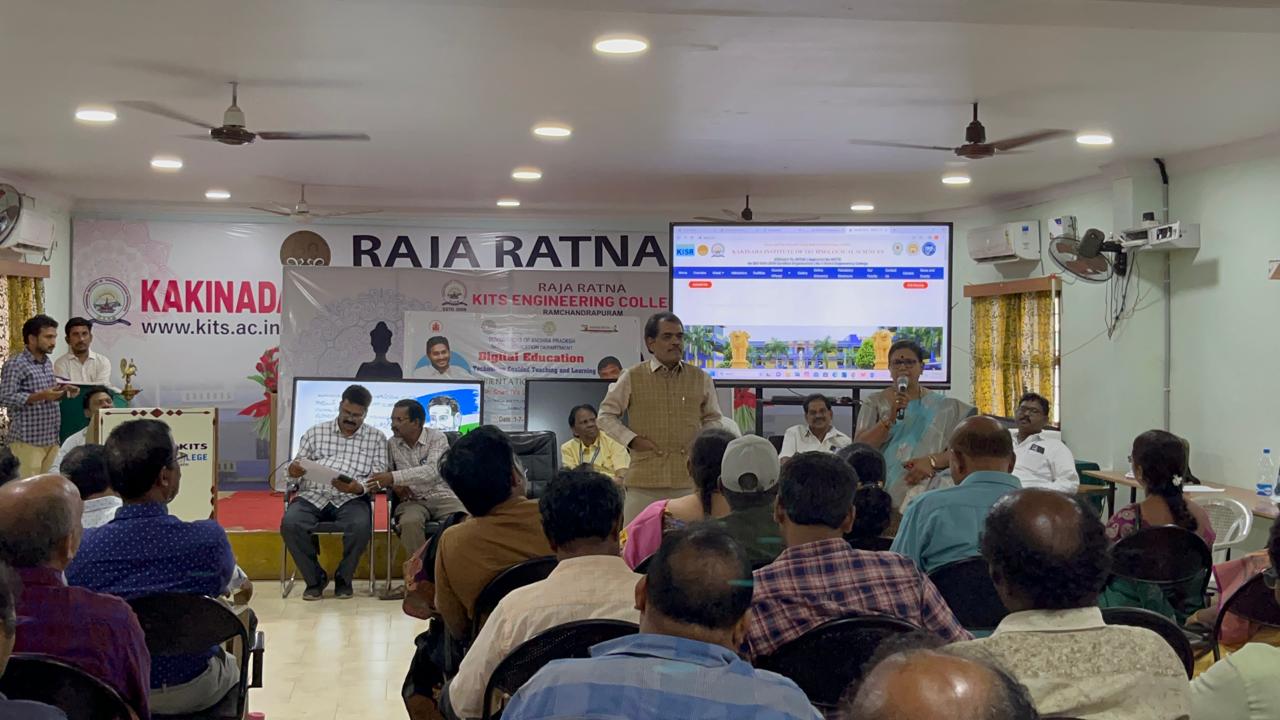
646 676
32 424
815 582
418 467
357 457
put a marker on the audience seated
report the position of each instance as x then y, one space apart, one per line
1244 685
358 452
1159 461
581 516
818 577
591 447
873 510
1048 558
643 534
146 551
10 588
867 463
95 399
749 484
817 434
693 611
934 684
1043 460
99 634
943 525
86 466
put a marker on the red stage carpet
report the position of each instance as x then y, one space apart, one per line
261 510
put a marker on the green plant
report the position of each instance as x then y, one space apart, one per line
776 350
930 338
701 341
865 358
823 350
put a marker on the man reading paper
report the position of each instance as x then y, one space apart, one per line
353 452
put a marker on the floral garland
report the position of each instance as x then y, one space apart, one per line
268 367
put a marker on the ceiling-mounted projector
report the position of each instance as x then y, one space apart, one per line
1165 236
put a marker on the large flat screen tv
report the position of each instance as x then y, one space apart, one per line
449 404
812 304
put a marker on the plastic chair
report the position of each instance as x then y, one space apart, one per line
1160 625
1176 560
1253 601
1096 500
562 642
323 528
178 624
967 587
1230 519
516 576
825 660
80 695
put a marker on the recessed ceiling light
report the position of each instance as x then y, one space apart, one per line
216 194
166 162
95 114
508 202
1093 137
527 174
552 130
862 207
621 44
956 178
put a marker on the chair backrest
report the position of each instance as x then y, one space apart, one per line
178 624
776 441
562 642
1230 519
967 587
825 660
1094 500
539 452
53 682
1163 555
516 576
873 544
1160 625
1253 601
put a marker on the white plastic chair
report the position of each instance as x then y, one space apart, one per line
1231 522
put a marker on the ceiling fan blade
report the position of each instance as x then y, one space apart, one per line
309 135
269 210
196 137
909 146
1027 139
340 213
162 111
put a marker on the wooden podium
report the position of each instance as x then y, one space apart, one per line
195 430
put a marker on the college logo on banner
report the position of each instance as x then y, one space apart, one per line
106 301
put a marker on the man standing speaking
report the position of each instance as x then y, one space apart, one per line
667 401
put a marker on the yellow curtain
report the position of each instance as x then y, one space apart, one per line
24 297
1011 337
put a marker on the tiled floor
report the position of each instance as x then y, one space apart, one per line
334 658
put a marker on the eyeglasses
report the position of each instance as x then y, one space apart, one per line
182 458
1269 578
904 363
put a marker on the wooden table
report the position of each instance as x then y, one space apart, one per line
1267 511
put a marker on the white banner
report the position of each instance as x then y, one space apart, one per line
195 430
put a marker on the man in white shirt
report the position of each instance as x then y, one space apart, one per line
86 468
1043 461
95 399
581 516
438 352
79 364
817 434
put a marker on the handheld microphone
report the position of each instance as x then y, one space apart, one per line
903 383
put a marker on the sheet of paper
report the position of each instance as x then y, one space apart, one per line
318 473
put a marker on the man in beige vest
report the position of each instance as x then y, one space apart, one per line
667 401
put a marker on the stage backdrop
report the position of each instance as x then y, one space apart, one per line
196 305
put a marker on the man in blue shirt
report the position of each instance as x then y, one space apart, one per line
31 393
693 615
145 551
942 526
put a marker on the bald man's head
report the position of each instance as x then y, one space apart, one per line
40 522
1046 551
933 685
980 443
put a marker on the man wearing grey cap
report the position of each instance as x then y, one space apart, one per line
749 482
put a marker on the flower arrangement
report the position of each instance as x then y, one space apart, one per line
744 408
268 367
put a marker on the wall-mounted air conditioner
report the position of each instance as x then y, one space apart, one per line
1009 242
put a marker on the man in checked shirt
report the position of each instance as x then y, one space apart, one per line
414 475
357 452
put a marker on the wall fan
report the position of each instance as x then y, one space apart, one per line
302 213
10 210
746 214
1083 256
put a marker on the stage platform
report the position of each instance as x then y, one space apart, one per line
252 521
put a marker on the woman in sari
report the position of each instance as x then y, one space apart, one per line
915 447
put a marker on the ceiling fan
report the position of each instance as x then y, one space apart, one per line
233 131
976 146
746 214
302 213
